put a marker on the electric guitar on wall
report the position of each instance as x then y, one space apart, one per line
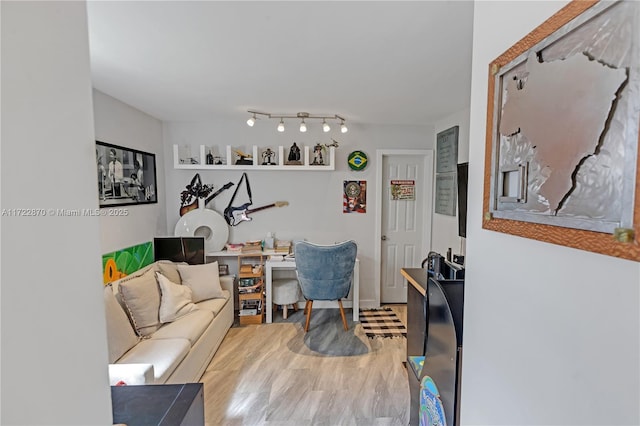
194 205
236 215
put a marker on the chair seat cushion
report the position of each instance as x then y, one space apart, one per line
285 291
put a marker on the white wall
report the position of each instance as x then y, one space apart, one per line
315 209
444 232
120 124
54 349
551 333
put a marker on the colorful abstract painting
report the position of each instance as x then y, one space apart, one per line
121 263
431 408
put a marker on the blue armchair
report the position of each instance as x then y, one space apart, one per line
324 273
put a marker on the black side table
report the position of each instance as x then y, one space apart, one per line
158 405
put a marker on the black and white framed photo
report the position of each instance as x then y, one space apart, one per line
125 176
223 269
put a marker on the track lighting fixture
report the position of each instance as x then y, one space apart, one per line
302 116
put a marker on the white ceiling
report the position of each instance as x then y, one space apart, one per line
386 62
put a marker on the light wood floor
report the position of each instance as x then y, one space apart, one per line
267 375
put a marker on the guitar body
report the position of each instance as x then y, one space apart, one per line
194 205
186 209
235 215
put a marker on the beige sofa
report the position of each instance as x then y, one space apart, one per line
166 321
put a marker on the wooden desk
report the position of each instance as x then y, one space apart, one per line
270 265
417 277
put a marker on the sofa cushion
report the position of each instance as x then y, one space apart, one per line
131 374
164 354
188 327
170 270
175 299
203 280
214 305
120 334
141 296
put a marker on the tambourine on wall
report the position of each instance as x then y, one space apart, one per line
563 110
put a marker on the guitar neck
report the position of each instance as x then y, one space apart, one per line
215 194
257 209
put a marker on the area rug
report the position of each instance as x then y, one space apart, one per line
381 323
326 335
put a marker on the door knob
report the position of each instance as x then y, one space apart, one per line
384 238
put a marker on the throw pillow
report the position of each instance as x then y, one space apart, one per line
120 334
175 301
203 280
141 296
170 270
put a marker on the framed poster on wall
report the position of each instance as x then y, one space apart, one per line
125 176
354 196
447 150
446 197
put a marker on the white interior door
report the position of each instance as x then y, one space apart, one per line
406 224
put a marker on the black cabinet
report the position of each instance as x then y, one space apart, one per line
416 318
158 405
434 332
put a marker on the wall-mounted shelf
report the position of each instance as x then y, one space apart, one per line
231 156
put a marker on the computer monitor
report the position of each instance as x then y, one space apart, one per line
179 249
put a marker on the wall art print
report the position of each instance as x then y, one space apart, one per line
563 111
119 264
402 190
125 176
354 196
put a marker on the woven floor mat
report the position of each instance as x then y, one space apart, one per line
381 323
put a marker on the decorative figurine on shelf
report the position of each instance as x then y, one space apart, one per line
267 156
217 160
334 143
317 155
294 154
245 159
209 158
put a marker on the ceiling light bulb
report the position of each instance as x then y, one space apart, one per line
325 126
252 121
281 126
303 126
343 128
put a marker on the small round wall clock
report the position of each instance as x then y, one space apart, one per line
357 160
